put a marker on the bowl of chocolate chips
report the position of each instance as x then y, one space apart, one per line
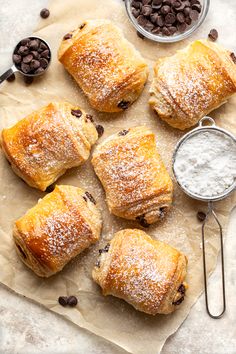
166 21
32 56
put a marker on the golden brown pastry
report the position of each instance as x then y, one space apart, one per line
135 180
146 273
192 83
42 146
57 229
106 66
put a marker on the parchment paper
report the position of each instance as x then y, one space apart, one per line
108 317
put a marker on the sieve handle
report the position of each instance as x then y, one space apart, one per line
209 213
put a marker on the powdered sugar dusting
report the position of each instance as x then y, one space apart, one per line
141 270
133 170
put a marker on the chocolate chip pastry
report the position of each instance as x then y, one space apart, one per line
135 180
42 146
106 66
58 228
191 83
146 273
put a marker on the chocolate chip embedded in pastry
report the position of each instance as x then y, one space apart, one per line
56 230
108 68
136 182
146 273
191 83
42 146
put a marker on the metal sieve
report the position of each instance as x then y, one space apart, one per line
207 128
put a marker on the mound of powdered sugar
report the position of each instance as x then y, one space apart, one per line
205 163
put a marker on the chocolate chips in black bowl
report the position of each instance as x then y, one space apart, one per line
32 56
166 20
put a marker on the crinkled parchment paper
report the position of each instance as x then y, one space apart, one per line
108 317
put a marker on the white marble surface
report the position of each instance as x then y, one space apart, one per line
27 328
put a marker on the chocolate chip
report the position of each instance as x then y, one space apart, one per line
165 31
123 132
123 105
180 17
45 53
156 3
170 18
44 13
142 20
100 130
135 12
62 300
23 50
43 63
39 71
82 26
181 289
197 7
181 27
35 54
28 80
27 59
213 35
140 35
25 68
142 221
50 188
187 11
188 20
67 36
35 64
72 301
156 30
176 4
233 57
178 302
136 4
172 30
160 21
153 17
43 46
165 9
201 216
149 26
34 44
76 112
25 41
16 58
90 117
90 197
162 212
193 15
11 78
146 10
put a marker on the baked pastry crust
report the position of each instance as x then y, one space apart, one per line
42 146
107 67
58 228
135 180
192 83
146 273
